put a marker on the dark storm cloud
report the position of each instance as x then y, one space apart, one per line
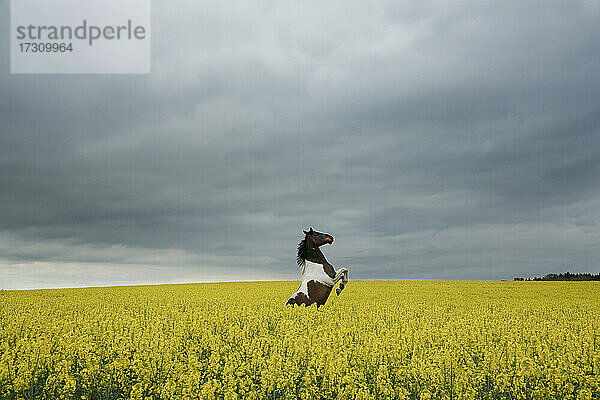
433 140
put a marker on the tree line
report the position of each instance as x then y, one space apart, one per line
567 276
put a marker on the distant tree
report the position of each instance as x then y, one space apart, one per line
567 276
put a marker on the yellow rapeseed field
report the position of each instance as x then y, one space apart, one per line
401 339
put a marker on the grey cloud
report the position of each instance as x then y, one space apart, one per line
417 134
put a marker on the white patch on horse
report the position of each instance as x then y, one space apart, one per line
313 272
316 272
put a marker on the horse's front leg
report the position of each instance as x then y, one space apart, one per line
341 274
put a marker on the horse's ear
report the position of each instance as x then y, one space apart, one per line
306 233
311 230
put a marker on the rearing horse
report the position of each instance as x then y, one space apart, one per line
318 276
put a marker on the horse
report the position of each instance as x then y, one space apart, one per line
318 276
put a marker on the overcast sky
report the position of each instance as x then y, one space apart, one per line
432 139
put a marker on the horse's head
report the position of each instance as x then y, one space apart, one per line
317 238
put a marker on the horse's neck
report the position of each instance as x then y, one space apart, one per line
314 254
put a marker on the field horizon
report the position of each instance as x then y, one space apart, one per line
266 281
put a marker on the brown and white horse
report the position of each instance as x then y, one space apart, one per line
318 276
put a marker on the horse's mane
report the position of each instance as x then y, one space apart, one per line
301 257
